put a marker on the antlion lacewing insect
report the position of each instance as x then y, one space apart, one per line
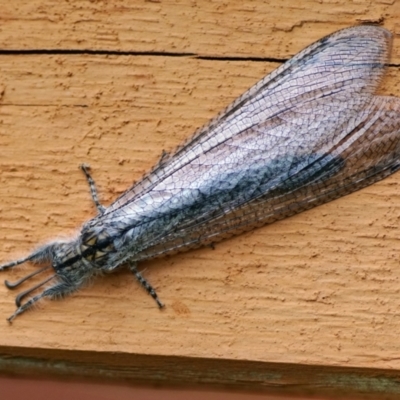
308 133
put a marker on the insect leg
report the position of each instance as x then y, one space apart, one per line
150 290
42 254
13 264
93 190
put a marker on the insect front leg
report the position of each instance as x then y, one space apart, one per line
42 254
93 190
150 290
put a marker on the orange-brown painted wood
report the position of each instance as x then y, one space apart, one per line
319 289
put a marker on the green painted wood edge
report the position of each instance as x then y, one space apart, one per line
284 379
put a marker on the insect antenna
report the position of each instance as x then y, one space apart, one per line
27 292
13 285
23 307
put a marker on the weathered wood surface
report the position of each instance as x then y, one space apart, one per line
321 288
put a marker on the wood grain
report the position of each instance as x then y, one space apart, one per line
319 289
254 28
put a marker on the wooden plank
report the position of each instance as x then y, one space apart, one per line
315 284
243 376
319 289
210 28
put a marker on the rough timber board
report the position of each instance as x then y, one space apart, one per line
254 28
320 288
238 376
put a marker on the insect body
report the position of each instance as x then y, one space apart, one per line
308 133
